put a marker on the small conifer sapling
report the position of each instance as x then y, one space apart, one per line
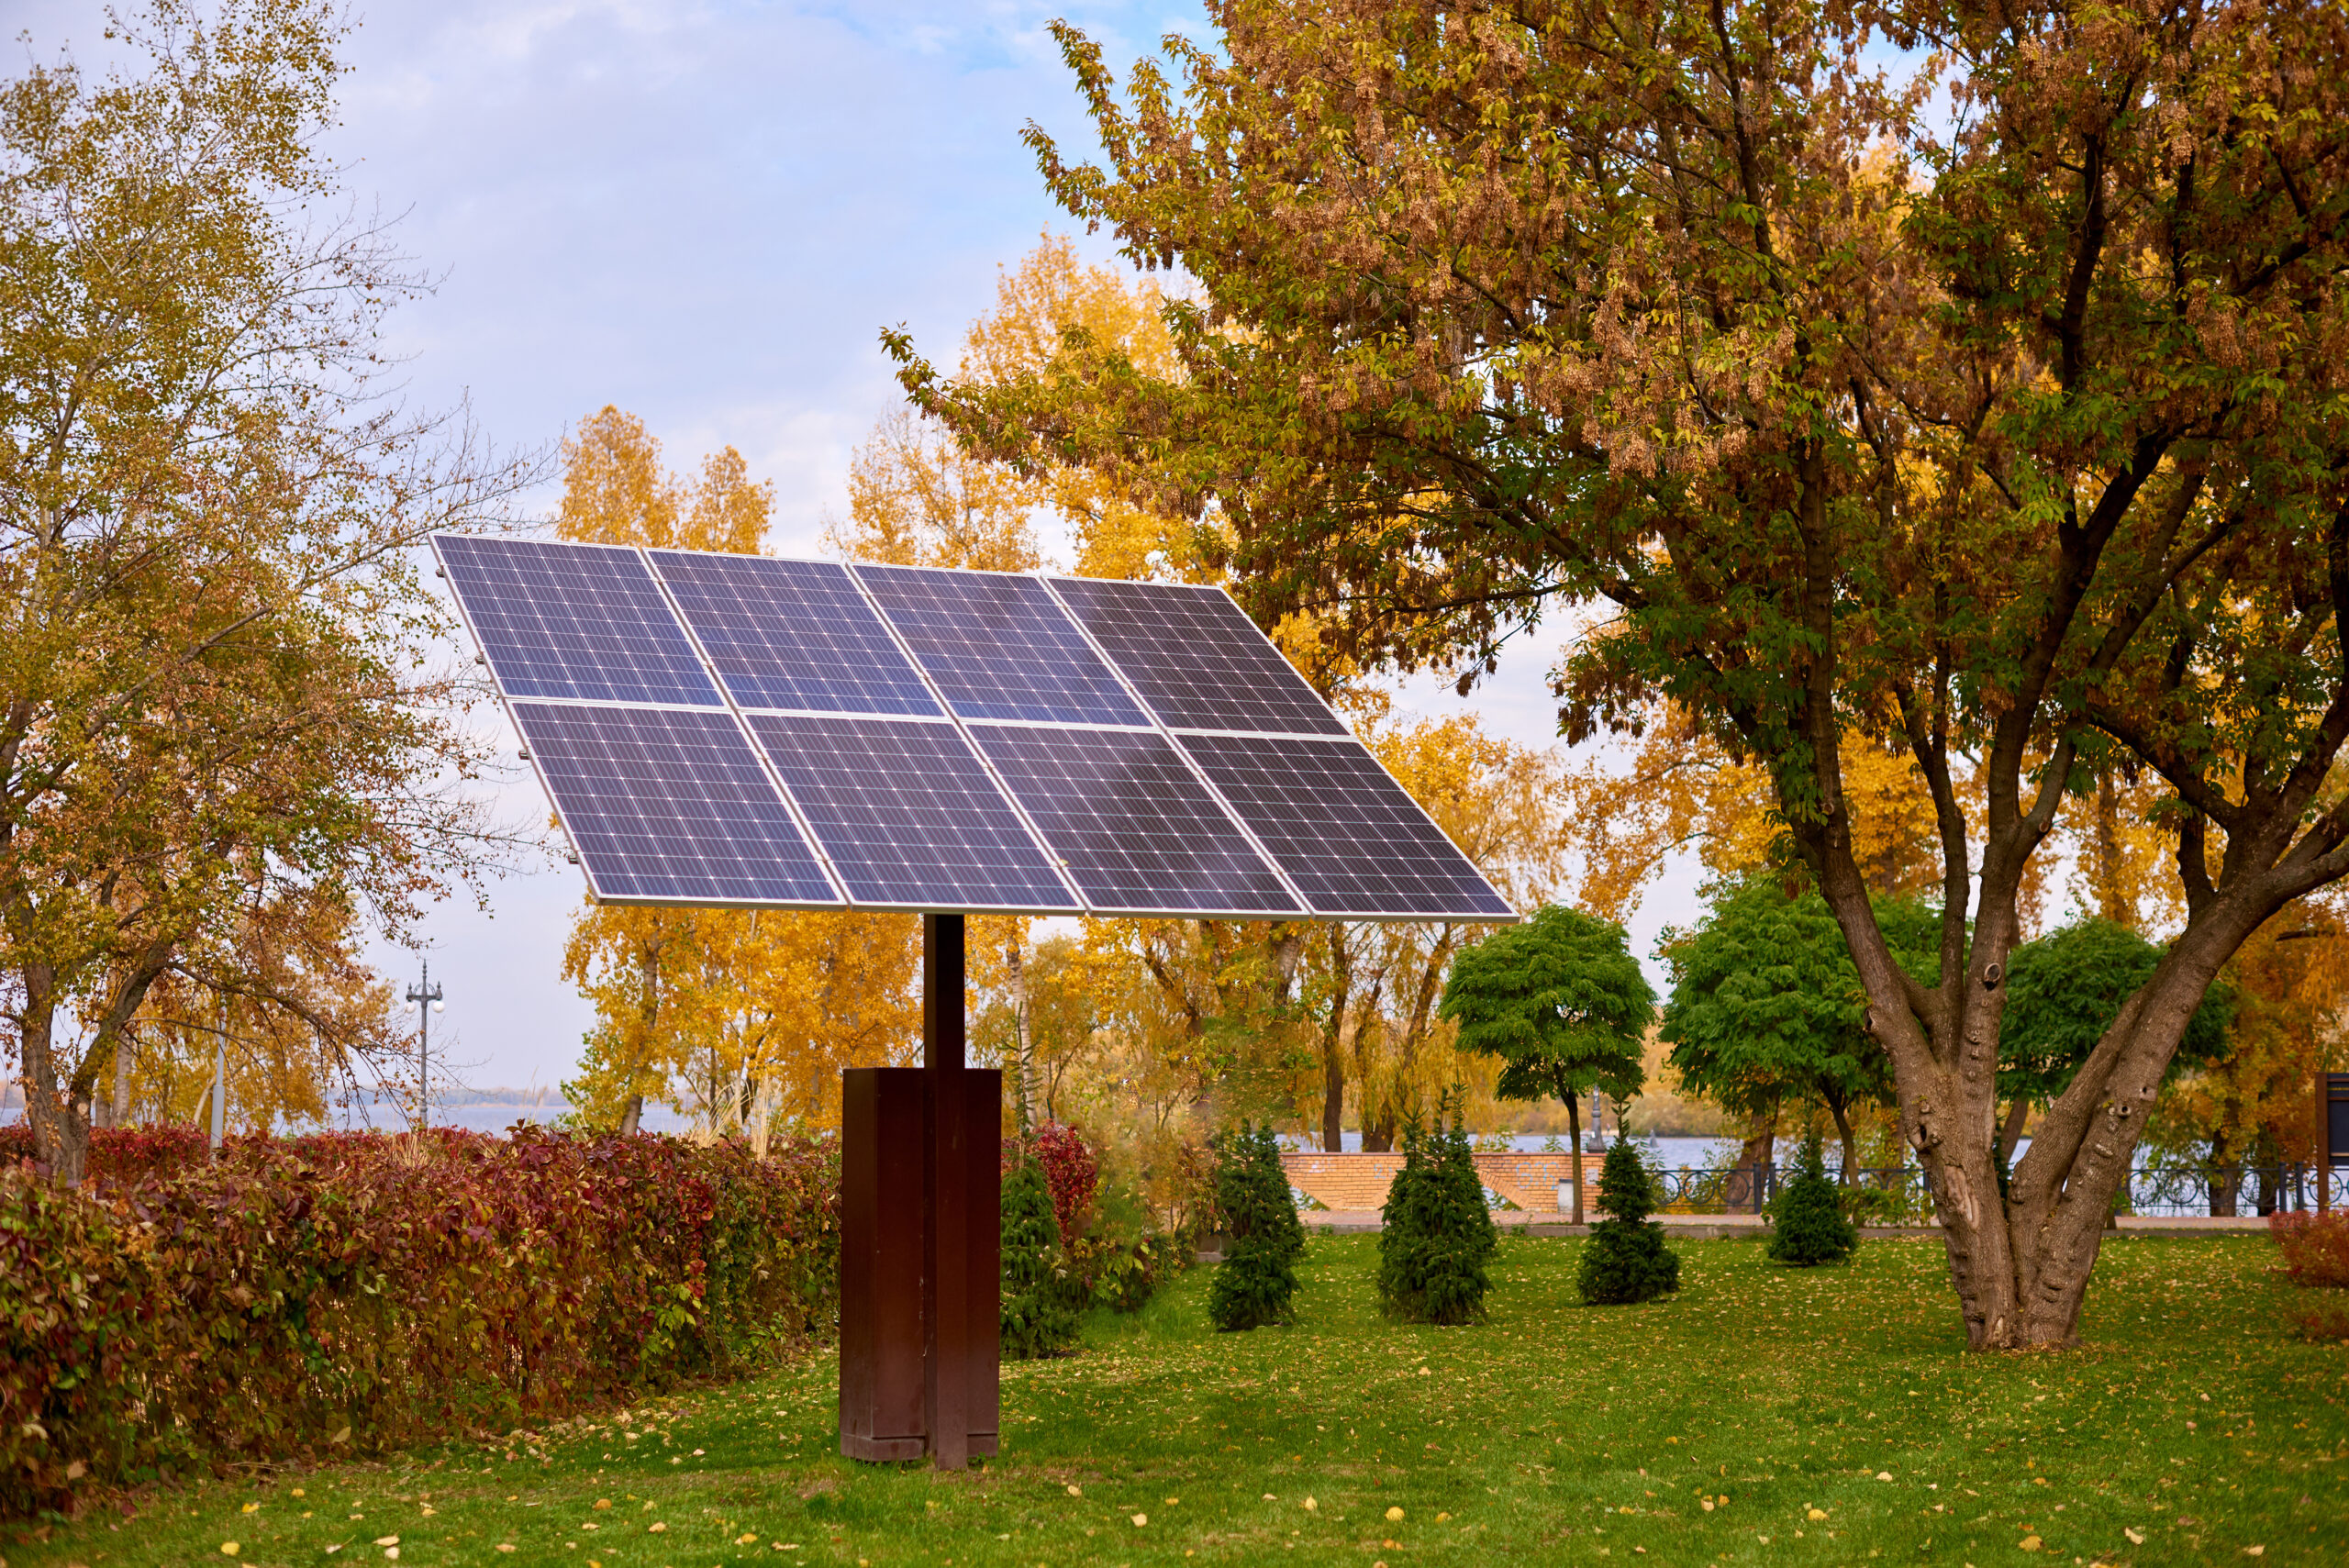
1625 1259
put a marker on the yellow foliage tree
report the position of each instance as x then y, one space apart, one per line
917 496
738 1018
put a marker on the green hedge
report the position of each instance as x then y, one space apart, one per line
351 1292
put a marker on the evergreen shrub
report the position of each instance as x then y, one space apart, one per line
1438 1234
1625 1259
1809 1225
1263 1241
1037 1321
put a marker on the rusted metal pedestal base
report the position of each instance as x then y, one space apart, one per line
920 1192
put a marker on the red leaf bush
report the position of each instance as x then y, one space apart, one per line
2315 1246
1071 1173
352 1292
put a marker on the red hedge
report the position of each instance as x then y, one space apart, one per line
352 1292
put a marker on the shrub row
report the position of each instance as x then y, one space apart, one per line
351 1292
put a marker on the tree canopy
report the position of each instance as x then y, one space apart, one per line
2065 990
1985 405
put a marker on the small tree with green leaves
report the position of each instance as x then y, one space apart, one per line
1263 1241
1625 1258
1438 1234
1562 1002
1036 1320
1811 1228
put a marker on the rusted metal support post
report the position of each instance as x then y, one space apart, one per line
920 1220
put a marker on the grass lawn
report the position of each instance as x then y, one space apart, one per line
1762 1415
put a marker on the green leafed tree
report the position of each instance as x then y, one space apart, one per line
1562 1002
1980 396
1767 1007
2063 990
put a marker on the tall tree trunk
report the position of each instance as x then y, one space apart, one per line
123 1053
1840 1110
61 1134
1023 1050
631 1113
1754 1156
1333 1056
2011 1132
1574 1137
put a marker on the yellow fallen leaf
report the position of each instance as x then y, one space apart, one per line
1172 1501
228 1549
1883 1476
1439 1518
1393 1515
1814 1515
2134 1539
656 1528
1140 1520
744 1540
387 1540
253 1507
1706 1503
341 1437
393 1553
602 1502
299 1493
1075 1490
1311 1506
2029 1543
2255 1552
505 1546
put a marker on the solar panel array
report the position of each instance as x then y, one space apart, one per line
719 729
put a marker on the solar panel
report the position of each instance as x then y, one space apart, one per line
670 806
998 647
908 815
573 620
1197 659
1133 824
792 634
1347 834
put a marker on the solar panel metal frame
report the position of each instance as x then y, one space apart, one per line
1078 903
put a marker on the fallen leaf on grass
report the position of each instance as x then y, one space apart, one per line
387 1540
505 1546
656 1527
228 1549
1393 1515
2029 1543
2134 1539
1140 1520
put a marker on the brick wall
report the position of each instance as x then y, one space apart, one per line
1357 1182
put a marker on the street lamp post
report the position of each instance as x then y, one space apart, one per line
424 1000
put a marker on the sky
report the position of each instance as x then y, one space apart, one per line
704 214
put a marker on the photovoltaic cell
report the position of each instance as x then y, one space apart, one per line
792 634
1350 837
1198 660
908 815
998 647
573 620
670 805
1133 825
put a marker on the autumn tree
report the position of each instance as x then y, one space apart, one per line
221 699
1987 405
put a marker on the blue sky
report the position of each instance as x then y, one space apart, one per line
704 214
